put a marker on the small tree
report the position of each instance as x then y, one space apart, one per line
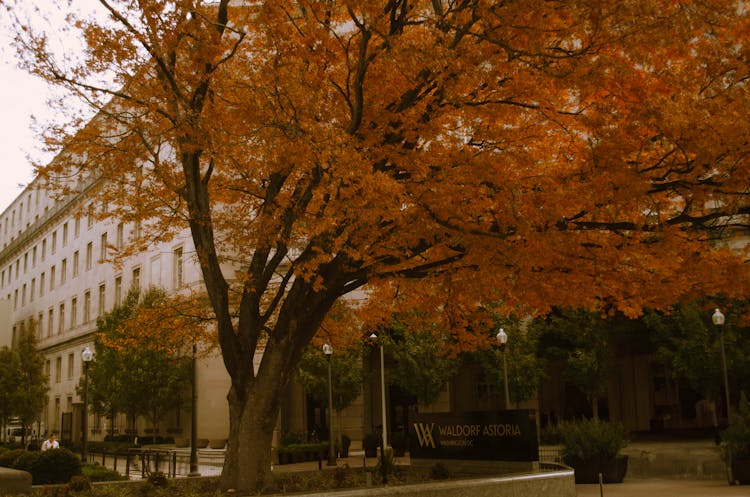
136 372
32 383
525 365
9 367
422 363
688 343
582 341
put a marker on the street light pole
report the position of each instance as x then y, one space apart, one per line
718 320
502 339
382 392
328 351
193 418
86 356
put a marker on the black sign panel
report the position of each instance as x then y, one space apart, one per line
481 435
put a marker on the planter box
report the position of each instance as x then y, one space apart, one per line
613 470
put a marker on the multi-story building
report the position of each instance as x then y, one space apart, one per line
57 276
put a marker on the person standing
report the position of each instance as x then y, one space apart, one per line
50 443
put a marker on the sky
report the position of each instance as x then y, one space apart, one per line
23 96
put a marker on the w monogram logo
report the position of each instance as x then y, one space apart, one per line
424 435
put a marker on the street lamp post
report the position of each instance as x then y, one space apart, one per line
502 339
193 418
86 356
328 351
382 392
718 320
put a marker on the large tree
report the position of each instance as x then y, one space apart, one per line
535 154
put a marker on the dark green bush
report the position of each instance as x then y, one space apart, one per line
27 461
79 483
158 479
439 471
8 458
95 472
55 466
591 439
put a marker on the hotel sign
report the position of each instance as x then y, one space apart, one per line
483 435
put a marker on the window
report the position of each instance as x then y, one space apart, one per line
119 237
73 312
76 257
41 284
61 319
23 295
137 230
2 279
63 271
40 326
25 262
71 363
177 270
47 368
15 299
136 282
58 369
44 249
118 290
90 216
103 248
77 227
87 306
32 290
33 257
51 278
89 255
65 235
58 415
102 299
54 242
50 322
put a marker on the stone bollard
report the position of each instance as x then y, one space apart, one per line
13 481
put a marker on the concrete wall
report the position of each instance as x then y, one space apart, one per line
13 481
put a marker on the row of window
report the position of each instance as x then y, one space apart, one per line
31 256
68 317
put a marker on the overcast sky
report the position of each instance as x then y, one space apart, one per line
23 96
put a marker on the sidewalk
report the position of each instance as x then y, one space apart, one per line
665 488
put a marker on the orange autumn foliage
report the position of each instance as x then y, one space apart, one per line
581 154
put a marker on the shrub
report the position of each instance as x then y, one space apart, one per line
439 471
340 475
8 458
737 435
27 461
158 479
55 466
95 472
79 483
591 440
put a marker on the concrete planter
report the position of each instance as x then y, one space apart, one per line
13 481
612 470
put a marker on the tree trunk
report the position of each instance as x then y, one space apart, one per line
595 407
253 412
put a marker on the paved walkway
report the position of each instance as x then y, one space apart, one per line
665 488
658 469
